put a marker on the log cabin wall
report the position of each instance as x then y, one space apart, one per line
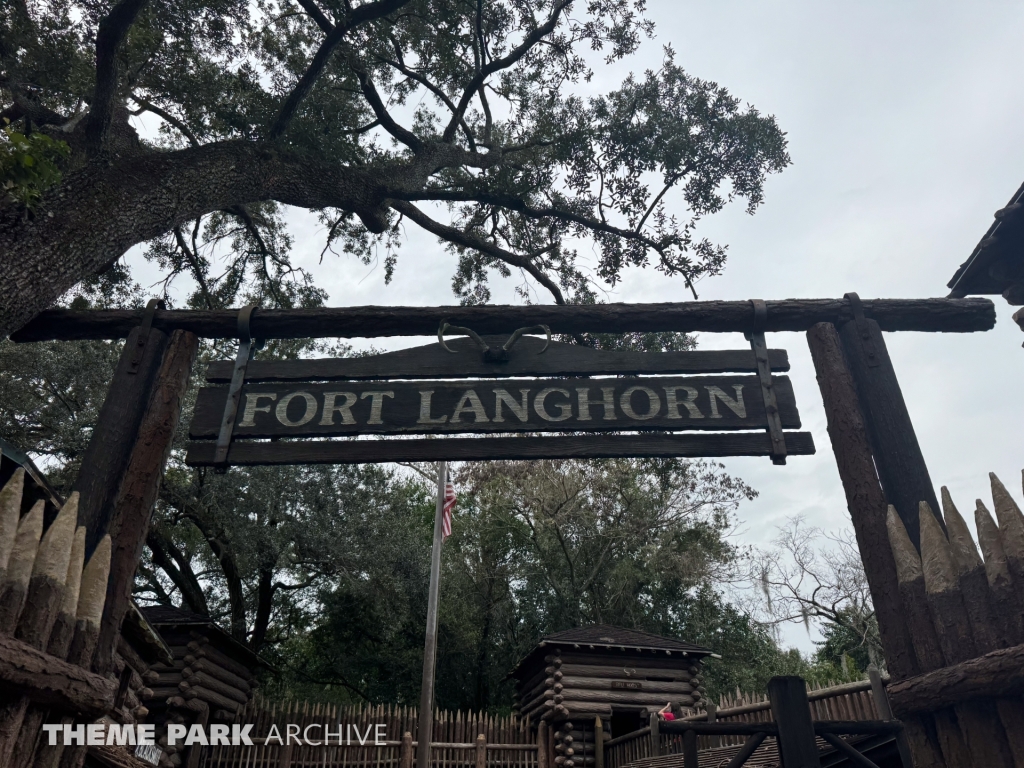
209 679
575 680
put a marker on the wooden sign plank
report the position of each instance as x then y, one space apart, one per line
715 403
432 362
252 453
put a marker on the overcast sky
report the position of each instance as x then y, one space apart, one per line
904 127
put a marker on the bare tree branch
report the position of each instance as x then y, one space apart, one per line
469 240
504 62
387 122
168 118
358 16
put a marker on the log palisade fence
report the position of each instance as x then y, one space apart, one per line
51 603
964 612
460 739
475 740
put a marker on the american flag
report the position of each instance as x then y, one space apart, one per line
446 514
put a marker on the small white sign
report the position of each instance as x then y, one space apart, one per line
149 753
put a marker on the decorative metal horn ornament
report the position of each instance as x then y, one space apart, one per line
490 355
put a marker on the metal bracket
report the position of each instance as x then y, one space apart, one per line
246 348
147 325
863 330
764 374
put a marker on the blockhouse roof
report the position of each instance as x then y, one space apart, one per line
998 259
165 617
604 637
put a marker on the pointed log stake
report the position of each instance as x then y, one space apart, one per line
1000 583
91 598
926 644
64 627
10 512
57 646
970 571
42 602
19 568
986 628
92 595
46 588
979 722
1011 528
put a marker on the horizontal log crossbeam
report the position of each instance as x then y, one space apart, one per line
934 315
998 673
50 681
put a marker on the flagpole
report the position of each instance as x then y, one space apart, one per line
426 727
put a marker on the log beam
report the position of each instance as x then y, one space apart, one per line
47 680
999 673
129 523
946 315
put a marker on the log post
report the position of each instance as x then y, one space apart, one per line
867 505
655 722
481 751
129 523
712 710
598 745
864 497
792 711
691 754
405 753
881 700
106 458
898 457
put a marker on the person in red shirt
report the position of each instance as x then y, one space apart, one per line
665 713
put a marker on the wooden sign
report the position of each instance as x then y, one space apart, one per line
628 685
333 409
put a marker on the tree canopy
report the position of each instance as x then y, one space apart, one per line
477 122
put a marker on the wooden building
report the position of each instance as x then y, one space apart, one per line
602 676
996 265
209 679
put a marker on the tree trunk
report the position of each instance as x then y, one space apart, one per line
100 211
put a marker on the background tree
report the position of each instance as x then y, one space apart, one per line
463 118
809 575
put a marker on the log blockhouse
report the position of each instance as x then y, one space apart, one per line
573 680
210 678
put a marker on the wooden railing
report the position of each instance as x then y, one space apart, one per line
822 716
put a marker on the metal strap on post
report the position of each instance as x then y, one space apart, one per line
246 349
863 330
147 325
764 374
